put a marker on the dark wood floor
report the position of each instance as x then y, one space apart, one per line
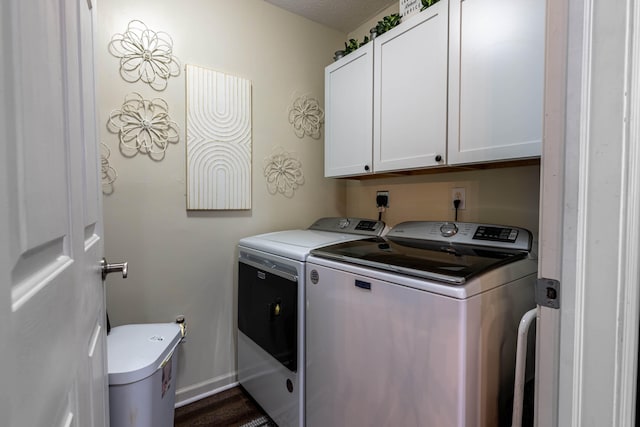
230 408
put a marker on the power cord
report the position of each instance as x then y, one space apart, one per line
456 205
381 202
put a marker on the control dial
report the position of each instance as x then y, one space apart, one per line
448 229
344 223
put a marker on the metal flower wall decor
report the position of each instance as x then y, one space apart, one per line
109 174
145 55
143 126
283 172
307 117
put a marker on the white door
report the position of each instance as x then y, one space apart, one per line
52 318
590 215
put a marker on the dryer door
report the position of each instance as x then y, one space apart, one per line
268 311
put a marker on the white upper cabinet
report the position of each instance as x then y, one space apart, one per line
349 114
410 93
459 83
496 77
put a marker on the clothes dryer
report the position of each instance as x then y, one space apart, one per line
271 314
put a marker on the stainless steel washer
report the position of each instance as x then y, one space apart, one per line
418 328
271 314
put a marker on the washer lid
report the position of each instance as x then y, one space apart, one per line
136 351
427 259
296 244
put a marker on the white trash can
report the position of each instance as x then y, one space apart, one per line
142 374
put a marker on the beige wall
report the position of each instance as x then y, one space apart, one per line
507 196
180 262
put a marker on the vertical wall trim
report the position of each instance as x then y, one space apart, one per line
582 214
628 297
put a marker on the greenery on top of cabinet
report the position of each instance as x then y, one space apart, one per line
384 25
353 44
387 23
427 3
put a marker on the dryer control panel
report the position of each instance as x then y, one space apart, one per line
368 227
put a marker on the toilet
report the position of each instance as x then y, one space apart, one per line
142 366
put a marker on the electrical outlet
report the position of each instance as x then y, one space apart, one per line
385 195
459 194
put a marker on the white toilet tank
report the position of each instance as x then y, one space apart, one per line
142 368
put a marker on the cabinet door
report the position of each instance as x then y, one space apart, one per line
410 92
496 77
348 110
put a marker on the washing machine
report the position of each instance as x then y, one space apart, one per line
418 328
271 314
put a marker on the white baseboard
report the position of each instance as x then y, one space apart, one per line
192 393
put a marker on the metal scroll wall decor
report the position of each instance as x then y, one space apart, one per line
218 140
143 126
145 55
283 172
307 117
109 174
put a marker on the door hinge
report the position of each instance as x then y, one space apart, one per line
548 293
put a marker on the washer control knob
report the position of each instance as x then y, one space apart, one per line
448 229
344 223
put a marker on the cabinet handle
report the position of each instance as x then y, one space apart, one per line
438 158
366 167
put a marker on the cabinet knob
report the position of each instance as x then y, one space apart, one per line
366 167
438 158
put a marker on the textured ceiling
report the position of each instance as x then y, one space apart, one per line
343 15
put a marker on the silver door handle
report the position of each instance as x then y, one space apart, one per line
111 268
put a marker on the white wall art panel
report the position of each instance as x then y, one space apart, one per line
218 140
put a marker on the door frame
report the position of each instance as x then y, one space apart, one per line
590 215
